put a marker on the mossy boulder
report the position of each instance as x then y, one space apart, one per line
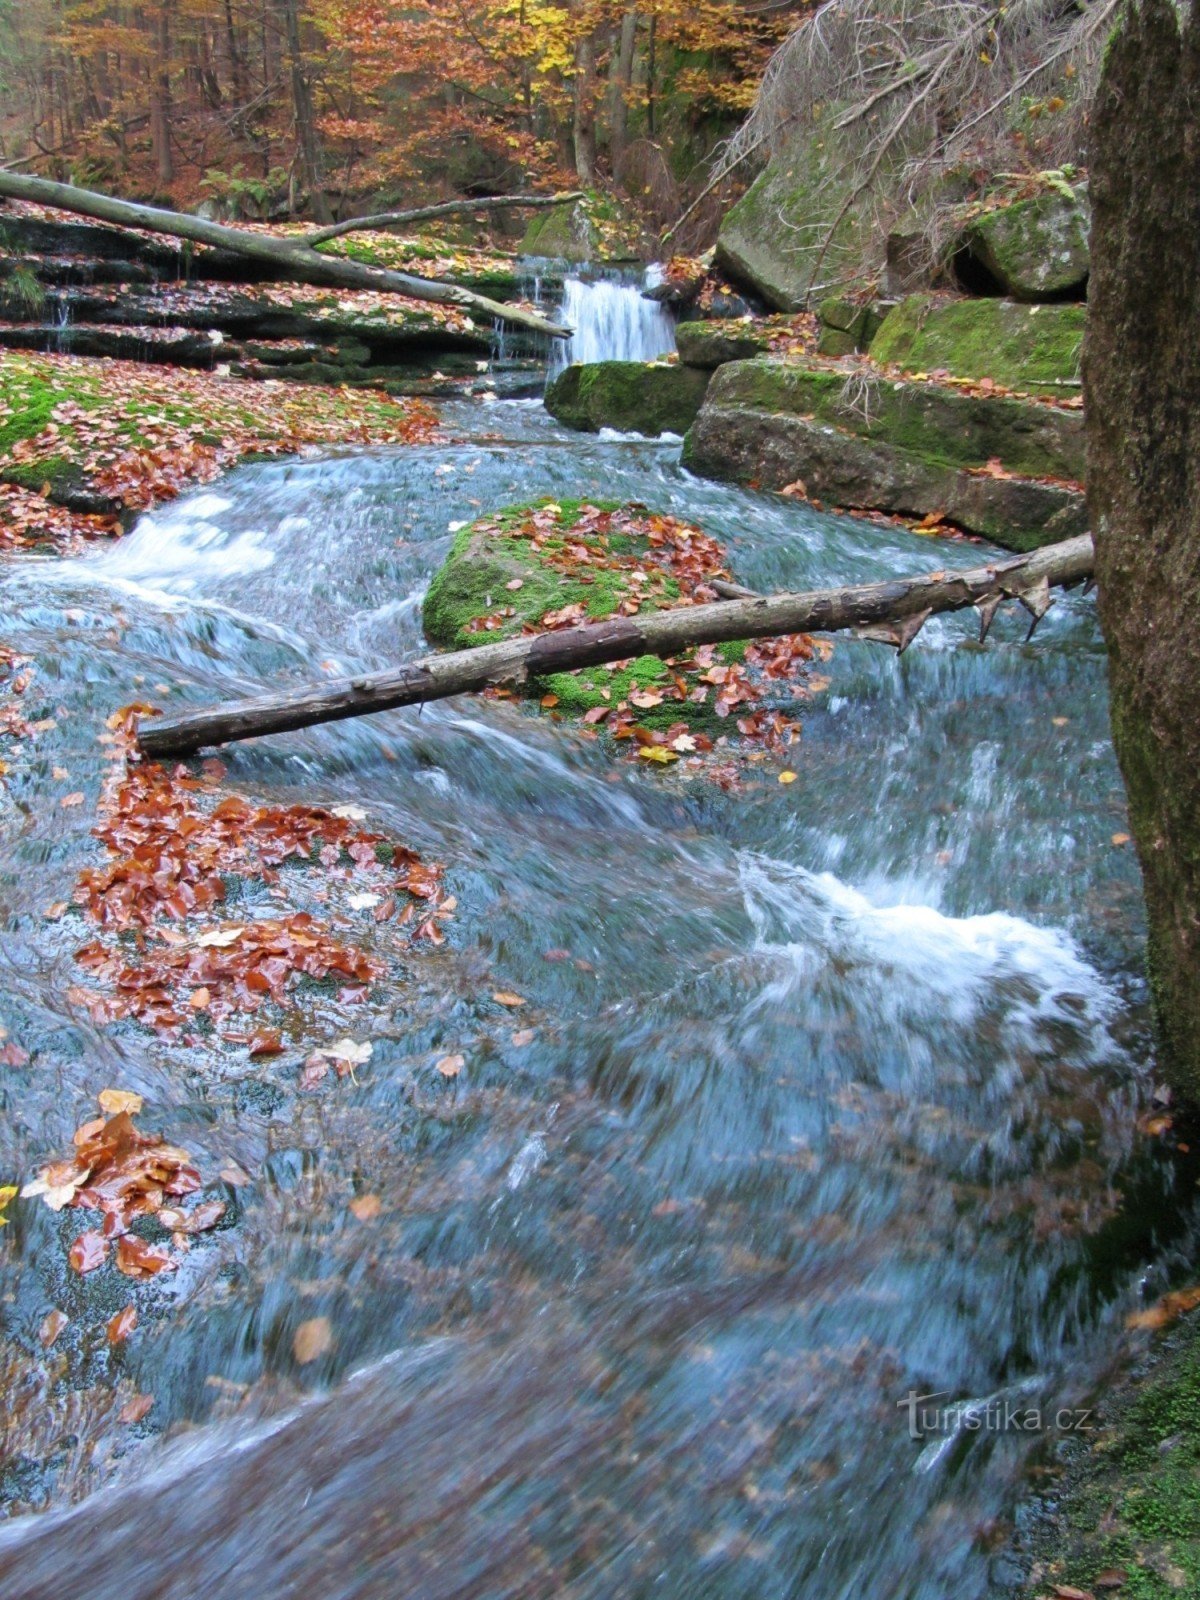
1004 468
561 233
650 397
708 345
1035 249
554 563
849 325
772 239
1036 348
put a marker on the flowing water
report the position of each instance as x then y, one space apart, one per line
612 321
831 1096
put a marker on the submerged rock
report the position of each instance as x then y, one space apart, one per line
1008 469
1036 348
650 397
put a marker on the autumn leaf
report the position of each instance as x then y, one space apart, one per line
121 1324
503 997
266 1042
451 1066
198 1220
114 1101
53 1324
312 1339
137 1259
8 1193
787 777
366 1207
136 1409
88 1252
1168 1309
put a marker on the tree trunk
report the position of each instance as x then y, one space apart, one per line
585 110
1141 383
621 83
292 259
160 100
446 208
307 138
890 612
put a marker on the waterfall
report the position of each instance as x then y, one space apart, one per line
613 321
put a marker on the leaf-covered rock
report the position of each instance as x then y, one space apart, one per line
1036 348
1036 248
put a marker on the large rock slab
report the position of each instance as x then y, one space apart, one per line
650 397
771 240
708 345
1036 348
1035 249
1007 469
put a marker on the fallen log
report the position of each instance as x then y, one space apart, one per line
892 612
294 259
445 208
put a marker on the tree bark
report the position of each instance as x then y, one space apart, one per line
585 110
160 100
622 80
295 260
308 140
447 208
890 612
1141 383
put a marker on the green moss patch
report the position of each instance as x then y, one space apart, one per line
533 568
1035 348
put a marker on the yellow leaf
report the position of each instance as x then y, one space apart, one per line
502 997
1120 838
787 777
658 753
114 1101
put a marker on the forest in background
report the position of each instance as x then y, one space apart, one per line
272 107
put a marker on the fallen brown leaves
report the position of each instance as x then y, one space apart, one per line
661 562
175 845
137 435
125 1175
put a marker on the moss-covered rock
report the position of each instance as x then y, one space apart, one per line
1036 348
1035 249
912 448
708 345
772 239
847 325
634 396
1128 1502
533 567
563 233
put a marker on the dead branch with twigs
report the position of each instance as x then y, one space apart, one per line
916 94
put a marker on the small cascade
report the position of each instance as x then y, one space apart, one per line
613 321
58 320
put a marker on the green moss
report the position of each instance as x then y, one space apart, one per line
1132 1501
1036 249
1032 347
633 396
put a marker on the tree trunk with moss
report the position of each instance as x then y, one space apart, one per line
1142 395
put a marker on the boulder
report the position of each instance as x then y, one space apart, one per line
560 233
871 443
848 326
1036 348
650 397
1035 249
771 239
707 345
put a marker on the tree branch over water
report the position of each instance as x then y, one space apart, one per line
892 612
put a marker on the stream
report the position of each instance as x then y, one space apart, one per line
831 1096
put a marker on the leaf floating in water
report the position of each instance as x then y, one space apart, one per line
312 1339
198 1220
266 1042
136 1409
451 1066
8 1192
1120 838
53 1324
366 1207
114 1101
503 997
137 1259
522 1037
219 938
122 1324
88 1252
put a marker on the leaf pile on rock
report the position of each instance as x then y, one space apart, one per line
126 436
550 566
125 1175
176 847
